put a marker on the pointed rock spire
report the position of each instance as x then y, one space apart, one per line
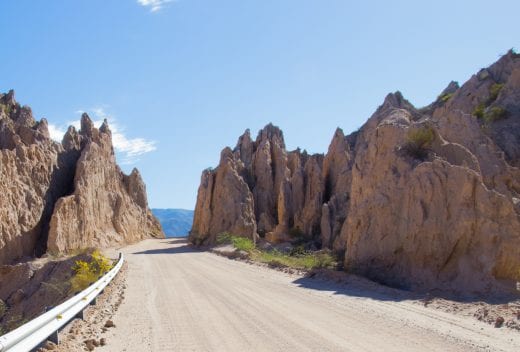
104 127
87 126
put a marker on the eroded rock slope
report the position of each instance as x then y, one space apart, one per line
63 196
418 198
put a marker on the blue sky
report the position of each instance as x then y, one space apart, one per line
179 80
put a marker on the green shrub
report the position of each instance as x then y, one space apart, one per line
298 258
445 97
83 277
100 263
491 114
479 111
308 260
494 91
87 273
297 250
243 244
240 243
419 142
494 114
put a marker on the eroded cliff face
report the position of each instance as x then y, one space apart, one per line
425 223
418 198
260 189
62 196
106 207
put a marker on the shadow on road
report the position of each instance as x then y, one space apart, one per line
176 240
355 286
181 245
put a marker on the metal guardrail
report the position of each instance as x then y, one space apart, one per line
33 333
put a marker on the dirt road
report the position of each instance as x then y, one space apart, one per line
179 299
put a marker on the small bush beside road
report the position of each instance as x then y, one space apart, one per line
87 273
304 260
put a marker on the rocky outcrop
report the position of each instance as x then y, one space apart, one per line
106 207
27 289
34 173
417 198
63 196
227 188
260 189
424 223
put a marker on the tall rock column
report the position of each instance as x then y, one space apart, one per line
224 203
106 207
337 177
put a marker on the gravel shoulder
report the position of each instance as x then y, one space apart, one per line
181 299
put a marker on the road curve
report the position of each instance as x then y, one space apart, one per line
179 299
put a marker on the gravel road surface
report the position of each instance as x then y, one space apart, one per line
180 299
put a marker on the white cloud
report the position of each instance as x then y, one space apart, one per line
154 5
129 148
56 132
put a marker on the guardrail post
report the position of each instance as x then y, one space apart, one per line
94 301
81 315
54 338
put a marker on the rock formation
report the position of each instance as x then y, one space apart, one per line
259 189
28 288
417 198
63 196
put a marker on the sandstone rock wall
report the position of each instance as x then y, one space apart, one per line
260 189
106 207
418 198
424 223
63 196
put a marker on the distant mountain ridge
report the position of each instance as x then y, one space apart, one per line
175 222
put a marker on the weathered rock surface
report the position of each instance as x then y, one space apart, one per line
338 179
226 188
418 198
106 207
424 223
28 288
64 196
259 189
